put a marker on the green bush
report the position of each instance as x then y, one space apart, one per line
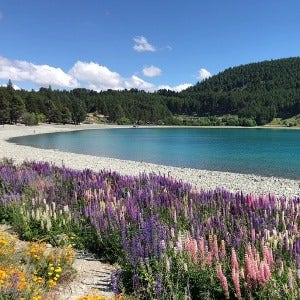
30 119
124 121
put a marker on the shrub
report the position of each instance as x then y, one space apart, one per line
30 119
124 121
33 270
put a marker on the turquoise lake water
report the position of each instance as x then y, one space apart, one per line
266 152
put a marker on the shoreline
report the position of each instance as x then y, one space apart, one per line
200 179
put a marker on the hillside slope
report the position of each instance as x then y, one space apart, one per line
261 91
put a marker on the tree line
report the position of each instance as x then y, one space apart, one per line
244 95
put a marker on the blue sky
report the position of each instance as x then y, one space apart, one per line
143 44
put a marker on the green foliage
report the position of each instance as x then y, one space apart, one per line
124 121
78 112
204 284
17 107
41 118
30 119
247 122
66 116
4 106
232 121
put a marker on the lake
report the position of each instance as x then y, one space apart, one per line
267 152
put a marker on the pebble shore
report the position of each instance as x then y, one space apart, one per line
200 179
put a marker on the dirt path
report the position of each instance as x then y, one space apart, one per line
91 274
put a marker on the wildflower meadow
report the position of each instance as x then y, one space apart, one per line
167 239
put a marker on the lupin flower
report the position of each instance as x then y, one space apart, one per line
257 272
215 248
223 280
223 249
192 248
179 246
253 235
136 281
209 258
234 261
268 256
201 247
168 265
291 279
236 282
158 286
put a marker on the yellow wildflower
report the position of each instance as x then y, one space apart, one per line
51 283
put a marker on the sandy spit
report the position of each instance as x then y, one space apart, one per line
200 179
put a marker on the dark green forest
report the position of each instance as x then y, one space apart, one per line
247 95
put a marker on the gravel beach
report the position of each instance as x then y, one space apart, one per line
201 179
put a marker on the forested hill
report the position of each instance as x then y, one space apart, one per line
265 76
244 95
261 90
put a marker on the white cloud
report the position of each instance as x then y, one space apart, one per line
98 78
96 75
138 83
177 88
89 75
42 75
152 71
142 45
203 74
182 87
